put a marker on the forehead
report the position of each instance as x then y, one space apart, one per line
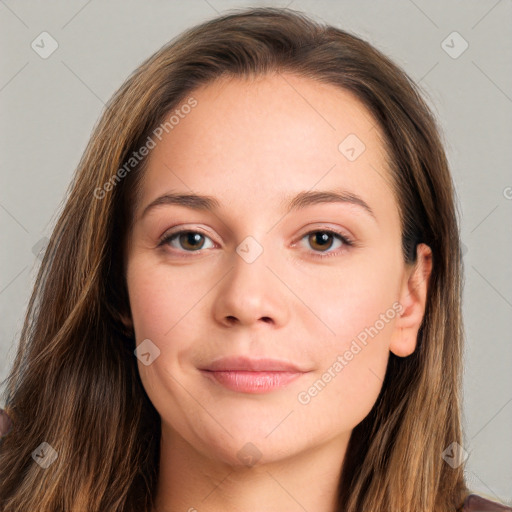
264 138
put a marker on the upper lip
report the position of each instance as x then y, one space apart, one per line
256 365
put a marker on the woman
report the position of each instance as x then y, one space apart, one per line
308 356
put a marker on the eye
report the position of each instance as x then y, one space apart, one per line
322 240
190 241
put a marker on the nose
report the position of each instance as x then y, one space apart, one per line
252 293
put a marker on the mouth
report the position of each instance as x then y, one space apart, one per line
253 376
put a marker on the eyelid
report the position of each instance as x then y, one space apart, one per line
185 227
179 229
332 229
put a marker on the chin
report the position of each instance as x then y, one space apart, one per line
250 451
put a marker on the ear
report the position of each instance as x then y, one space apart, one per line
413 297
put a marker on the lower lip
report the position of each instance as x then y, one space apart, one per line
252 382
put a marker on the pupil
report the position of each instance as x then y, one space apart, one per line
323 237
192 238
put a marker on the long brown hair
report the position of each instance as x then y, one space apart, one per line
75 383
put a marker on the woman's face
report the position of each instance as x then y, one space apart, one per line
318 285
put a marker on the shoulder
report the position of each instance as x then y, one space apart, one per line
475 503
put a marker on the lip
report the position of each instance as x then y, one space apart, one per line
252 382
255 376
242 363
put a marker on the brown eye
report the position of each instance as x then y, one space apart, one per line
187 241
320 240
191 240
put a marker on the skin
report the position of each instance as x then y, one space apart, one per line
251 144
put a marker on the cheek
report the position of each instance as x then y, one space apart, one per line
159 300
358 310
165 308
351 371
348 300
162 308
341 397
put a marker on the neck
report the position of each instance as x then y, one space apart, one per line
194 482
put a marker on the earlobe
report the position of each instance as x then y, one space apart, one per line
413 299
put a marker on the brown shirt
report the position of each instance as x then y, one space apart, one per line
475 503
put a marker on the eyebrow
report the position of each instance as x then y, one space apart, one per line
301 200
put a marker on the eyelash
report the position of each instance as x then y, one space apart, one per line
347 242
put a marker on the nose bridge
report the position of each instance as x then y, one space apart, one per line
251 291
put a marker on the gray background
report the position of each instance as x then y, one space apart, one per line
49 107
